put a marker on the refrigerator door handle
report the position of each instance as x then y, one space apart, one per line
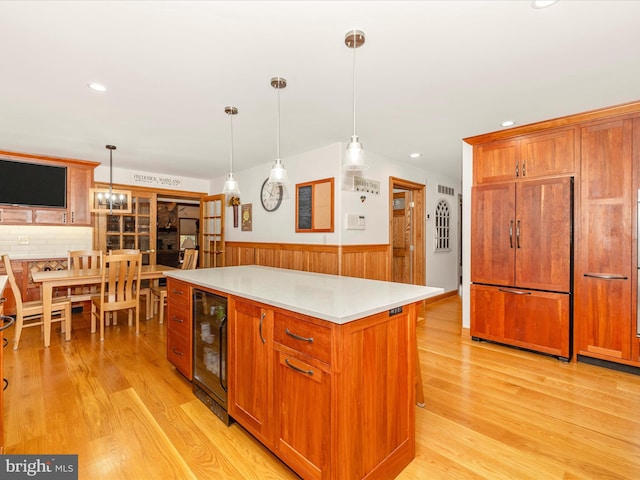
511 234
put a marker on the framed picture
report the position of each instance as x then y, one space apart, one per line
246 217
314 206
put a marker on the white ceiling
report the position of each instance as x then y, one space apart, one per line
429 74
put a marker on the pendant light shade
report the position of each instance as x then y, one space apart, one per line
278 175
355 152
231 188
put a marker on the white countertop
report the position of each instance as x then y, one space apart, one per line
329 297
3 282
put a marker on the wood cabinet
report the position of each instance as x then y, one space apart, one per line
302 395
179 327
522 241
130 230
250 373
285 389
531 156
524 318
605 269
522 234
79 180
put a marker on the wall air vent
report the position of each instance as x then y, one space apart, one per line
446 190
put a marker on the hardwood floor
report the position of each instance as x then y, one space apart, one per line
491 412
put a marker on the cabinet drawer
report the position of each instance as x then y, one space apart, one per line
305 337
178 316
179 353
178 291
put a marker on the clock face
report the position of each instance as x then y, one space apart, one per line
271 196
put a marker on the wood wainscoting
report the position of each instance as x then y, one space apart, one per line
362 261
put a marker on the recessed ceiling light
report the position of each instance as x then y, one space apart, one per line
542 3
415 155
98 87
508 123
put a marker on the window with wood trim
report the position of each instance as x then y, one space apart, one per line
443 227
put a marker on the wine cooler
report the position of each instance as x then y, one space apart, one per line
210 351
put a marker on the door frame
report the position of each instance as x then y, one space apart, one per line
418 231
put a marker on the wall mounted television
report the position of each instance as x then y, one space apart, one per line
32 184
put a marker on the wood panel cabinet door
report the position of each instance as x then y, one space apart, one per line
548 154
302 414
603 310
50 216
493 234
80 181
524 318
496 161
250 375
543 234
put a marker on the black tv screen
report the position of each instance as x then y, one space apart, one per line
32 184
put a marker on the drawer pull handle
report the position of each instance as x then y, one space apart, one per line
177 352
606 276
297 369
515 292
298 337
177 292
3 299
177 320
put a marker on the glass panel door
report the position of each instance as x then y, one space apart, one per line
131 230
212 231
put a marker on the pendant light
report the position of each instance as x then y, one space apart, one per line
355 152
231 188
278 175
103 198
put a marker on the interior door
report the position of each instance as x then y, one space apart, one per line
212 231
402 246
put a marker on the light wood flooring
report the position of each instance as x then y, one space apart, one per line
491 412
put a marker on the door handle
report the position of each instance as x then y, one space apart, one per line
511 234
606 276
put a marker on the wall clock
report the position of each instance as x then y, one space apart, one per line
271 196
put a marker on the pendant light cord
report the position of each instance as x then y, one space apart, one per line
354 83
231 149
110 181
278 124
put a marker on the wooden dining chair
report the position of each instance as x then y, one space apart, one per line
83 260
144 291
119 290
159 299
30 314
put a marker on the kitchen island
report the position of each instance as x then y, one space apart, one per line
321 368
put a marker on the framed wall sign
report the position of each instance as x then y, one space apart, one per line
246 215
314 206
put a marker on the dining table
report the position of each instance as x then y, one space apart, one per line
68 278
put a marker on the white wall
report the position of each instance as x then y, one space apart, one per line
125 176
467 179
326 162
